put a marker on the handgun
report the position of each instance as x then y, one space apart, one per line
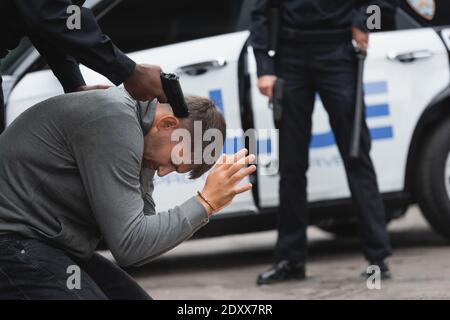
174 94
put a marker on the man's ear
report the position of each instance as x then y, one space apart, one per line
168 122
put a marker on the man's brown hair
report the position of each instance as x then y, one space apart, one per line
204 110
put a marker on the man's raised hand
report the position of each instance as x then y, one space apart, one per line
222 184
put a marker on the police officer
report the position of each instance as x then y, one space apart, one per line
315 55
44 22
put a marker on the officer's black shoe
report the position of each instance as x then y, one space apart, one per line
385 273
282 271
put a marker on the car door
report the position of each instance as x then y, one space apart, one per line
404 71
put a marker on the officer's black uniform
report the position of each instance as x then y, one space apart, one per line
44 22
315 55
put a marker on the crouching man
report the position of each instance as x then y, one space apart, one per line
78 168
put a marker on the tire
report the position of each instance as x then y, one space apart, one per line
433 179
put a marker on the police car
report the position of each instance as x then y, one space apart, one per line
407 87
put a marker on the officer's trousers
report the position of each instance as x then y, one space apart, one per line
327 69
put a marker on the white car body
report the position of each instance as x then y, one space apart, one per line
397 95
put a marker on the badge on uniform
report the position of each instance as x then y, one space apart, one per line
425 8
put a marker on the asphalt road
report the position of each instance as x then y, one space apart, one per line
226 267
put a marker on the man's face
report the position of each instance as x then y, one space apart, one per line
158 145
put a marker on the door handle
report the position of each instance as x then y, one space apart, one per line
200 68
410 56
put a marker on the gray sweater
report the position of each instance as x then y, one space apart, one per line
71 173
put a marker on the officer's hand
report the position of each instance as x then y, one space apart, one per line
361 38
222 183
266 84
144 83
94 87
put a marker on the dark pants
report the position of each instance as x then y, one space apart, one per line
32 269
329 70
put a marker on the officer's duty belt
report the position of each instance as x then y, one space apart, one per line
315 36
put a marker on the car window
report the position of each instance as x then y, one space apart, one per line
395 18
404 20
244 20
430 13
14 57
136 25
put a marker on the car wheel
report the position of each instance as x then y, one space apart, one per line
433 179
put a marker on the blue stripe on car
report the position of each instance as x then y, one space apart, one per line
318 140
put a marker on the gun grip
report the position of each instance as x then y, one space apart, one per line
175 97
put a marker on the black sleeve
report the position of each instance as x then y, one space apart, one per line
47 19
259 37
64 67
